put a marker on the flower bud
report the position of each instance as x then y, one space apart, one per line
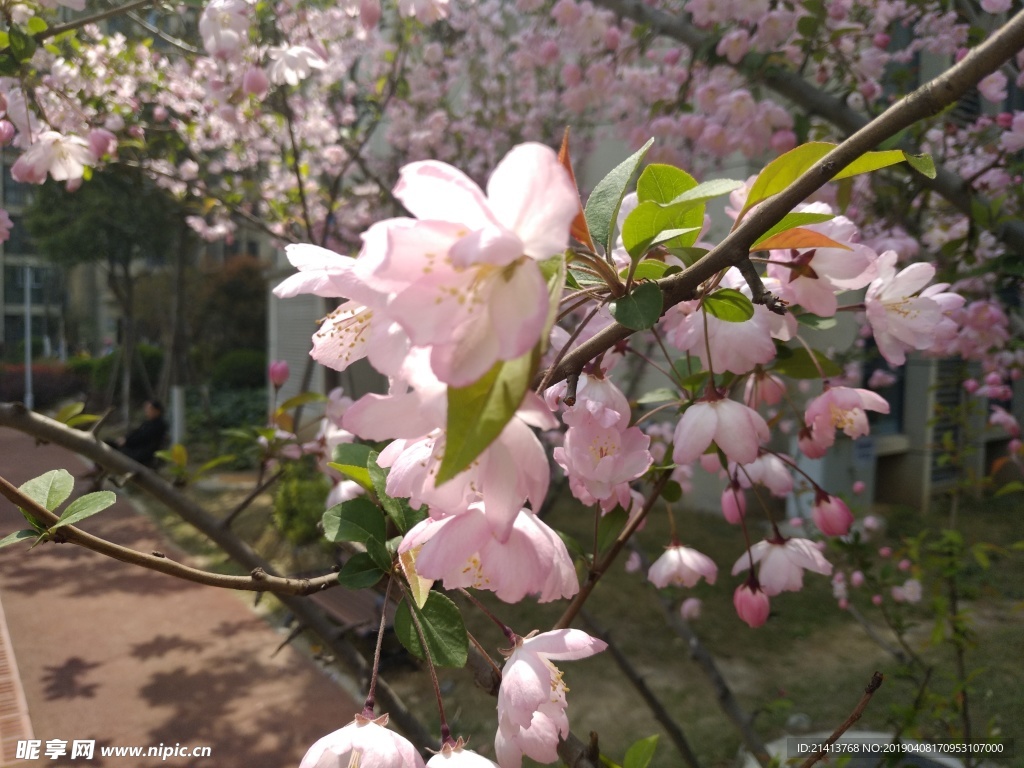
278 372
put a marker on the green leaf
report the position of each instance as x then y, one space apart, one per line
17 536
359 572
603 204
791 220
85 506
36 24
661 183
479 412
351 460
707 190
648 269
639 755
22 45
302 399
645 225
1014 486
730 305
641 308
672 492
404 516
69 411
660 395
49 490
5 40
609 527
443 631
358 519
815 322
796 363
787 168
923 164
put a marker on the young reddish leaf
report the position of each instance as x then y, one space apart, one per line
579 230
798 238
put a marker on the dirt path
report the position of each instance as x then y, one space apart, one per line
126 657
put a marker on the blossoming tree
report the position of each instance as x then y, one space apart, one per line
501 315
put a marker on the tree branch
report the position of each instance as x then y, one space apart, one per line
258 581
927 100
103 15
869 691
805 95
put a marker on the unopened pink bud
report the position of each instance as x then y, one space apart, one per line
369 14
904 564
1004 119
993 379
881 40
885 552
159 113
876 599
857 578
612 38
102 143
734 504
858 487
751 605
971 386
278 372
7 132
844 604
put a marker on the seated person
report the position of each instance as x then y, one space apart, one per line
142 443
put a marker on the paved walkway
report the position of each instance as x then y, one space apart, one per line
113 653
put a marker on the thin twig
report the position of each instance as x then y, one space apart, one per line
869 691
257 581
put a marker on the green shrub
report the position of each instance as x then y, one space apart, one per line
96 371
240 369
299 501
209 413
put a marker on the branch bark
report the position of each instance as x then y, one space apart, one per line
927 100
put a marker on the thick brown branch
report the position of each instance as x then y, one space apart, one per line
925 101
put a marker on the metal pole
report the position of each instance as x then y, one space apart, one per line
29 397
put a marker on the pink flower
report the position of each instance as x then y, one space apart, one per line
783 563
735 347
64 158
843 408
681 567
464 550
831 515
900 319
752 604
255 82
734 503
733 427
601 462
224 27
464 280
292 64
363 742
102 143
531 699
278 372
690 608
993 87
1000 417
456 756
812 277
5 226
